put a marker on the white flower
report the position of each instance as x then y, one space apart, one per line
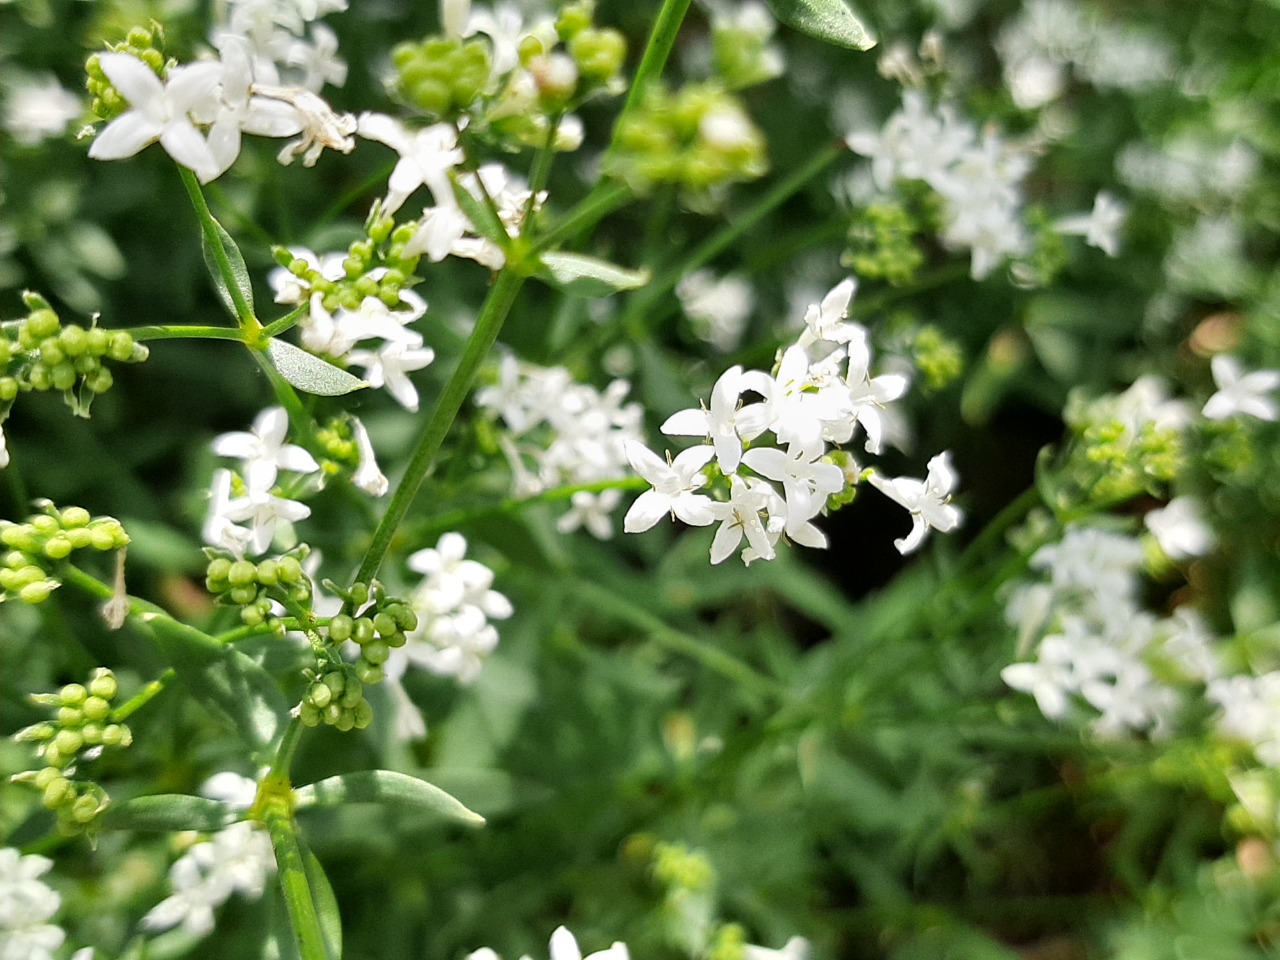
806 480
673 484
388 366
564 946
37 108
1240 393
4 450
238 858
263 450
426 157
868 395
797 948
159 111
26 904
1251 712
263 510
322 126
1101 226
219 529
726 424
452 580
592 511
928 501
825 321
367 475
740 517
1180 529
232 789
717 308
238 110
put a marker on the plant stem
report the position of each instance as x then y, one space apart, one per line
179 331
586 214
289 320
657 50
208 226
142 697
303 917
492 315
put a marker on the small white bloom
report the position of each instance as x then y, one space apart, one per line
1180 529
4 449
673 484
159 111
367 475
928 501
388 368
263 450
26 906
1101 226
321 125
741 517
825 321
717 308
38 108
232 789
219 529
806 480
1240 393
797 948
726 424
264 511
426 157
593 511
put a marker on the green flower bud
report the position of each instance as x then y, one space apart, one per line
41 324
73 517
242 573
8 388
376 652
57 548
92 733
85 809
46 776
74 340
319 695
346 720
52 353
268 573
102 538
45 525
340 628
70 716
331 714
369 673
68 742
79 538
58 792
362 715
96 708
63 376
335 681
218 573
72 695
351 695
103 684
99 380
290 570
384 623
120 345
96 341
116 735
362 632
36 592
309 715
243 595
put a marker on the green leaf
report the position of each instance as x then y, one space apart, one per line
239 272
234 689
309 373
583 276
480 214
387 788
169 812
829 20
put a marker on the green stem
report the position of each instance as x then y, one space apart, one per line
283 759
593 208
142 697
289 320
657 50
540 172
179 331
492 315
208 226
303 917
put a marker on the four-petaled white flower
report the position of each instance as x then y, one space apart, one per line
388 365
726 424
367 476
1240 393
264 451
673 483
1100 227
426 157
740 517
26 904
1180 529
159 110
928 500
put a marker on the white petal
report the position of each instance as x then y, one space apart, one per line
649 508
136 81
124 136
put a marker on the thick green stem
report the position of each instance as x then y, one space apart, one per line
657 50
303 917
208 227
488 324
142 697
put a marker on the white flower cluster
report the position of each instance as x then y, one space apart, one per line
561 433
1049 37
564 946
37 107
198 111
246 508
978 176
26 906
1190 169
338 334
821 392
236 859
427 157
1093 641
454 602
718 307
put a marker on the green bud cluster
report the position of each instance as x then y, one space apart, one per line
377 624
44 538
39 353
598 52
442 76
675 865
699 137
882 244
80 729
852 477
375 266
338 441
741 55
1048 255
1115 463
252 586
939 358
729 943
146 44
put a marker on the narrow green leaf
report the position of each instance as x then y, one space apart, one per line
829 20
387 788
168 812
309 373
584 276
325 903
481 216
239 272
234 689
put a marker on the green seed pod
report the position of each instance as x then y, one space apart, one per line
268 573
335 681
368 673
36 592
362 714
406 617
57 548
104 684
8 388
99 380
351 695
96 341
119 345
340 628
362 632
319 695
42 324
396 640
74 340
96 708
384 623
331 714
73 517
376 652
63 376
309 715
346 720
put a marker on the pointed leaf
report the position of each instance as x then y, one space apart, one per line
239 272
385 787
169 812
324 901
481 216
583 276
234 689
829 20
309 373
